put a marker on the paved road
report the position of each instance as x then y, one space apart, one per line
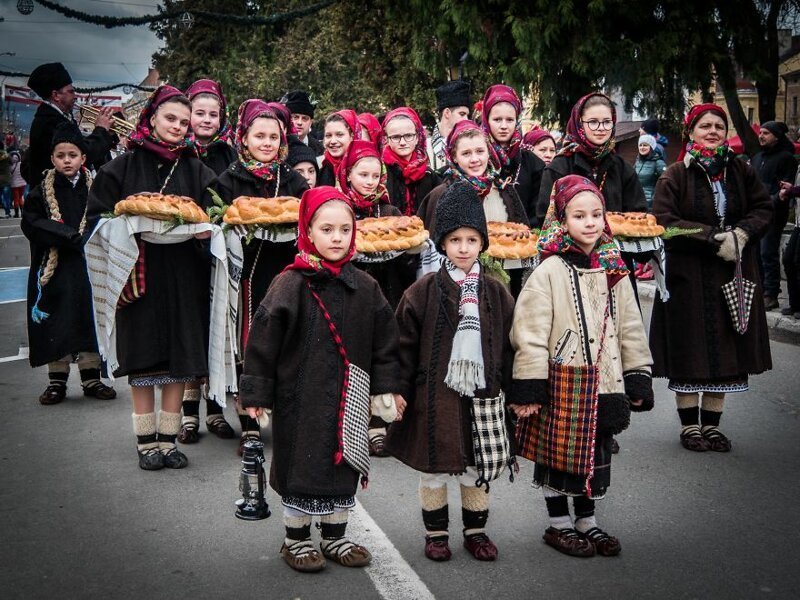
80 520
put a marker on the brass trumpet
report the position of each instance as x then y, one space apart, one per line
119 126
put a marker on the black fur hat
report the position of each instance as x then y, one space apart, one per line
48 77
299 152
298 102
452 94
459 206
68 133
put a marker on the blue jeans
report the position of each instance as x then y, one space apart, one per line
770 250
5 196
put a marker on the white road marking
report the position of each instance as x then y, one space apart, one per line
13 268
392 576
12 301
21 355
8 237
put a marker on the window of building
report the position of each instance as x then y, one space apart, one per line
794 106
750 113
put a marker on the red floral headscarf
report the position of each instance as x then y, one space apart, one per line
249 111
144 137
372 126
225 132
493 96
534 136
482 183
308 258
575 140
691 119
355 152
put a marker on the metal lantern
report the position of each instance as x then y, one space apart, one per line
186 19
25 6
252 506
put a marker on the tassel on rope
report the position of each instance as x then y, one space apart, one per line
37 314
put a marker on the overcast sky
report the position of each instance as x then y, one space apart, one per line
91 53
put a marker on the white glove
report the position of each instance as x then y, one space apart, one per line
263 418
383 406
727 250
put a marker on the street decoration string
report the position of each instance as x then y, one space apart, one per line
89 90
245 20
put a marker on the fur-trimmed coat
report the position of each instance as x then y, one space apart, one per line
691 335
293 368
435 433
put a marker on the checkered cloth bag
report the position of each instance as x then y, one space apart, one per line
356 420
490 439
135 286
738 294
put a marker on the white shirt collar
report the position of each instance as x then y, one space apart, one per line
61 112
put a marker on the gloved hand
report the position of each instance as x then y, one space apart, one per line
383 406
727 250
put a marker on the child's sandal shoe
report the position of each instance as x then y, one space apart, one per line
692 439
346 553
569 542
220 427
480 546
377 446
604 544
188 433
437 548
99 390
151 459
717 441
175 459
303 557
53 395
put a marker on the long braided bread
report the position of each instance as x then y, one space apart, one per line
50 262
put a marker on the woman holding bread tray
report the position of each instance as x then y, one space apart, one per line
157 330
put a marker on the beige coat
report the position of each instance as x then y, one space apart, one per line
547 323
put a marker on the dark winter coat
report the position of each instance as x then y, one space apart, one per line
167 328
775 164
435 433
525 172
514 207
327 175
293 368
262 260
315 145
219 157
691 335
67 297
44 124
615 178
417 191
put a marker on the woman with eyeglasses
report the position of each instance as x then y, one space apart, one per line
588 150
409 178
518 167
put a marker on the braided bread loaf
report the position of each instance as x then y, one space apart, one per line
511 240
384 234
634 224
250 210
164 207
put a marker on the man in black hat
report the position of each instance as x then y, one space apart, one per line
299 104
775 163
52 83
452 104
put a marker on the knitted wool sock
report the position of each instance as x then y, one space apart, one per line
710 419
59 378
168 426
713 402
557 509
298 528
373 432
435 513
191 407
90 377
144 427
474 509
332 527
212 408
689 416
584 513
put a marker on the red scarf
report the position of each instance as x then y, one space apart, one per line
225 131
691 119
415 165
372 126
144 137
355 152
308 258
351 120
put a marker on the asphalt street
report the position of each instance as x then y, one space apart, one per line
81 520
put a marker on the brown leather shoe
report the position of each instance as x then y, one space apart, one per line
220 427
346 553
604 544
99 390
377 446
303 557
692 439
569 542
480 546
53 394
717 441
437 548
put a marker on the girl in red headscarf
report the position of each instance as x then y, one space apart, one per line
259 171
577 310
501 111
341 128
211 130
162 336
542 143
409 177
322 349
694 343
370 128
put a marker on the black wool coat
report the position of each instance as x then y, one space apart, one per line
44 124
262 260
219 157
316 145
417 191
615 178
167 328
293 367
525 175
774 165
435 433
67 297
326 175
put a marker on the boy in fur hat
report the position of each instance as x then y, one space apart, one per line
456 360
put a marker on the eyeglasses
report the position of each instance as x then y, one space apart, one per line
406 137
594 124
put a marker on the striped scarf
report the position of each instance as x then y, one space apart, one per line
465 371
